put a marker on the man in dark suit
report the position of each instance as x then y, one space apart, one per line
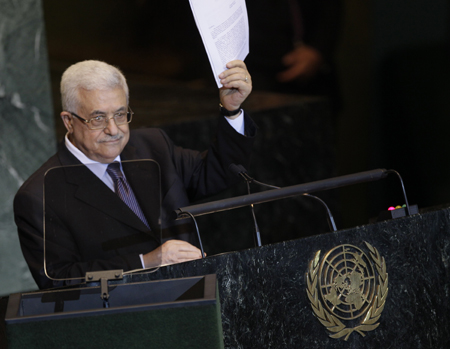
100 216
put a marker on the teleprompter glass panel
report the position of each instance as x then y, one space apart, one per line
90 227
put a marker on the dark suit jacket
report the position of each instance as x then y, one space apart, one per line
88 227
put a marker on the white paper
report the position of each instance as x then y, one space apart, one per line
223 26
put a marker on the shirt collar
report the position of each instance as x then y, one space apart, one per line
96 167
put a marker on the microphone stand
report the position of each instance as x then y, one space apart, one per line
242 172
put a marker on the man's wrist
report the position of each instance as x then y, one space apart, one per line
226 112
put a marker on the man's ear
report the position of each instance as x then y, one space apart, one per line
67 119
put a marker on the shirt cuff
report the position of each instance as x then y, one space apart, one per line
238 123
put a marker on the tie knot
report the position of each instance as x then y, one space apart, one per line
114 170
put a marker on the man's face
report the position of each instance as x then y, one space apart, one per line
99 145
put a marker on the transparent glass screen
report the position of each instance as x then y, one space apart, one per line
90 227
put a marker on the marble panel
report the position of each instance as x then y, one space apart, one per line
27 135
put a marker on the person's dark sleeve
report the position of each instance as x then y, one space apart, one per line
207 173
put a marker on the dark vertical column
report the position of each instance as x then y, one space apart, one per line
409 128
26 123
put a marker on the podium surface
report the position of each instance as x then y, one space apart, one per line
264 291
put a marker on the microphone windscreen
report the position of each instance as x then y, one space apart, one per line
242 168
235 169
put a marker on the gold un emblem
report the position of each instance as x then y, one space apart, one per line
344 286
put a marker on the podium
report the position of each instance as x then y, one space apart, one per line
265 293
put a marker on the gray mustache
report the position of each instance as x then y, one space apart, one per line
111 138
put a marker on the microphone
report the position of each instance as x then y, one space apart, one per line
240 171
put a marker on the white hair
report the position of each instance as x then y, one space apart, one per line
89 75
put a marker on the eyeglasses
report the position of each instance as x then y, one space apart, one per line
100 122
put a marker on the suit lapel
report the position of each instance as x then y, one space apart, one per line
92 191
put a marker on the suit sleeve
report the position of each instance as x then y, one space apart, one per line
204 174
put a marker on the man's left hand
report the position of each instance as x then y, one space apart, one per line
237 85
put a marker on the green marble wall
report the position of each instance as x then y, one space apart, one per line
27 136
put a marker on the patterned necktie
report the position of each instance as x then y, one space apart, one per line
123 190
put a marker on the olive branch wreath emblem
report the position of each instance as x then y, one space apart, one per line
330 321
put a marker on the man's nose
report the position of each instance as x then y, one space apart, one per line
111 128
